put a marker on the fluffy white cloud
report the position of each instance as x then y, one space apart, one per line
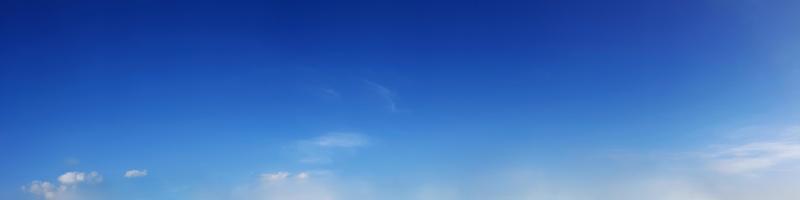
71 178
44 189
67 187
135 173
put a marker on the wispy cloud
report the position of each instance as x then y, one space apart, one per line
340 140
328 94
299 186
386 94
756 156
135 173
331 93
323 148
755 153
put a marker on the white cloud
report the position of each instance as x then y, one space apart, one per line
71 178
135 173
386 94
301 186
322 149
346 140
758 155
302 175
67 187
274 177
44 189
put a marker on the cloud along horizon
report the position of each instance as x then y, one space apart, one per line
744 165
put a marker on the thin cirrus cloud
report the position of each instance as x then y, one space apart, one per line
756 156
282 176
387 95
134 173
324 148
782 149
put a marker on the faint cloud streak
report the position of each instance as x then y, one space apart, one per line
387 95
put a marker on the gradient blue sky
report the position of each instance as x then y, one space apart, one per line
431 100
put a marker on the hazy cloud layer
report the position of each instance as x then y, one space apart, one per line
759 154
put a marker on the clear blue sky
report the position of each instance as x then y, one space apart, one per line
356 100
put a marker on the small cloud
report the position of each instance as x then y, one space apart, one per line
283 176
66 188
344 140
331 93
387 95
71 178
327 94
307 185
135 173
323 148
273 177
302 175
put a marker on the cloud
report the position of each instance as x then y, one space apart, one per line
44 189
71 178
331 93
758 155
67 187
273 177
303 175
343 140
386 94
300 186
135 173
323 148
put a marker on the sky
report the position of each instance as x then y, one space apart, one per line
400 100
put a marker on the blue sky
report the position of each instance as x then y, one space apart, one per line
434 100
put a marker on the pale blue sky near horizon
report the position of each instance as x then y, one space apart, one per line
315 100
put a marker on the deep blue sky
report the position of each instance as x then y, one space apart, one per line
210 96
